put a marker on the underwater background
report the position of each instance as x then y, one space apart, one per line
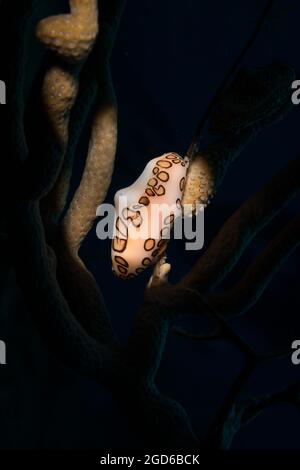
168 60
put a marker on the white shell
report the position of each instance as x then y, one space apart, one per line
145 213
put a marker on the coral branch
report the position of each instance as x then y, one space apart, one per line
200 182
228 246
94 80
165 421
164 304
71 36
232 69
251 286
54 204
238 414
58 95
221 431
36 274
290 394
254 100
78 283
100 159
96 177
14 53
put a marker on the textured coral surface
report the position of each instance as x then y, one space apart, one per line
71 36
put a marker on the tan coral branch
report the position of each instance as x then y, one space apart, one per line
199 186
79 285
58 94
71 36
96 177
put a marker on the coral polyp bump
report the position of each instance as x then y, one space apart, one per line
145 214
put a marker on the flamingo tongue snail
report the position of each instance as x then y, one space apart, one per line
145 213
